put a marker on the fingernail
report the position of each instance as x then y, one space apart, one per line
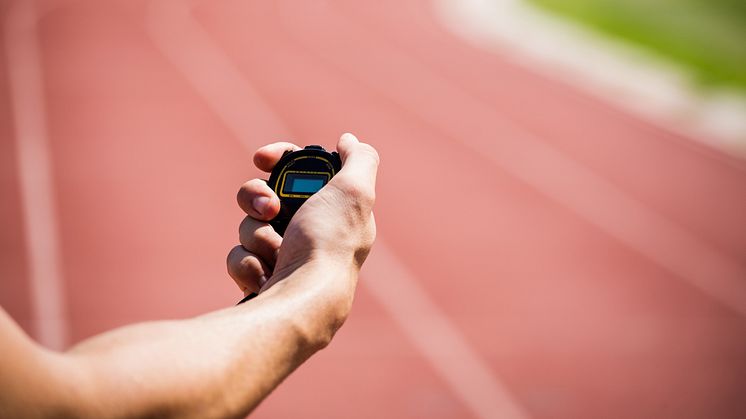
261 203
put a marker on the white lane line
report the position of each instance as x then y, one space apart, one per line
540 165
430 330
210 72
35 176
436 336
624 218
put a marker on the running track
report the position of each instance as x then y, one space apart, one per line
541 254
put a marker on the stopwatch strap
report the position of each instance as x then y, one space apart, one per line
247 298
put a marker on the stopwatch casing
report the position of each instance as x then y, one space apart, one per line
297 176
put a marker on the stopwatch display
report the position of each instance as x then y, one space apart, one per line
297 176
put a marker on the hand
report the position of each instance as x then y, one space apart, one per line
334 229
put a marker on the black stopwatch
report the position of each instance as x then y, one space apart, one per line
297 176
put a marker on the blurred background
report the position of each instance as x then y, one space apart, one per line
545 250
705 36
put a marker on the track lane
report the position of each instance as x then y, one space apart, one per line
185 43
15 293
595 134
130 205
633 282
572 337
33 158
132 176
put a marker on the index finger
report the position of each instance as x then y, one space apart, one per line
267 157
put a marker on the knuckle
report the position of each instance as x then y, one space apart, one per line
370 151
247 192
243 265
235 254
356 193
260 238
247 233
264 234
364 197
246 226
244 190
250 266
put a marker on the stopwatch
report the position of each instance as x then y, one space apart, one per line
297 176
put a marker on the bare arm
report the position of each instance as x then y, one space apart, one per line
217 365
224 363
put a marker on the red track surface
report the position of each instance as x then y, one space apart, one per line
579 305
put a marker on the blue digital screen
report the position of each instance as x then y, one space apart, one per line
296 183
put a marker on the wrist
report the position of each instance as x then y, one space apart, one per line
319 294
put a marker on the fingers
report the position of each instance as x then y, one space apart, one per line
252 263
267 157
247 270
258 200
260 239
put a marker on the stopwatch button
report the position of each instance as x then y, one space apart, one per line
314 147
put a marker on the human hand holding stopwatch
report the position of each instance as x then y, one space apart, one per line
332 230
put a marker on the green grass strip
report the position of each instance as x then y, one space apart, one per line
707 36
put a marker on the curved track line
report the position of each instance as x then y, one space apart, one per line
35 176
229 96
437 338
428 328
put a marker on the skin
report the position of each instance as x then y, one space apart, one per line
221 364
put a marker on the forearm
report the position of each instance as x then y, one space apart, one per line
218 365
224 363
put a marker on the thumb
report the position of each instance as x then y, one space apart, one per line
359 162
